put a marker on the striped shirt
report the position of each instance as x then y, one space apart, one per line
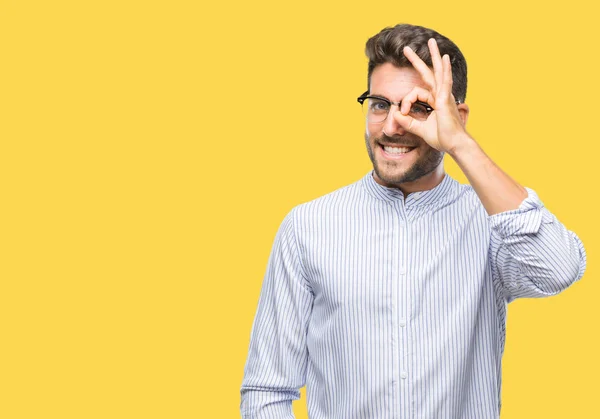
389 308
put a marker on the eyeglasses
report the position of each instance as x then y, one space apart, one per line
377 109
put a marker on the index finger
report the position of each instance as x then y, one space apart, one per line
420 66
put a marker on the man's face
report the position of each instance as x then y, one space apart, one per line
392 170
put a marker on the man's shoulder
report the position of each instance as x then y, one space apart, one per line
466 198
336 200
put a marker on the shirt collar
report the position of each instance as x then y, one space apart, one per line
436 195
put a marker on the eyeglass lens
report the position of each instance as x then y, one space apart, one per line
377 110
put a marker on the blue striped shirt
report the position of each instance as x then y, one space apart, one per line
386 307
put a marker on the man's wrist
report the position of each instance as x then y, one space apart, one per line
463 145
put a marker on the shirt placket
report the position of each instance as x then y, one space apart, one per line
401 307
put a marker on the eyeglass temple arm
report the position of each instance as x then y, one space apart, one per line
362 97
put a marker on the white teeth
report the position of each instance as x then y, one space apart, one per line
396 150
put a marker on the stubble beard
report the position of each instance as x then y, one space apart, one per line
424 165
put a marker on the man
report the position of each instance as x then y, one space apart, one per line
387 297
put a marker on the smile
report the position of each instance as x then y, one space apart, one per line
395 152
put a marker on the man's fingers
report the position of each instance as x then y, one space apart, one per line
436 59
446 91
416 94
410 124
420 66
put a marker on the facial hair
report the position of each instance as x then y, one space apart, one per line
424 165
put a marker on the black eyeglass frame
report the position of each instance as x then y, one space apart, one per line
366 96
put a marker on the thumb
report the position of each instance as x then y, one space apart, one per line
410 124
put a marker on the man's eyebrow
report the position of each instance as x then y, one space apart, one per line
379 96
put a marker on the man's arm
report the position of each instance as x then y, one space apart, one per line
497 191
531 253
276 366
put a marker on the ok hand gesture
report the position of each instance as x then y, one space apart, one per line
444 129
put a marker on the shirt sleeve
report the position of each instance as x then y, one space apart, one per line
276 365
532 254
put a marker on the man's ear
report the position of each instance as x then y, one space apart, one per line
463 111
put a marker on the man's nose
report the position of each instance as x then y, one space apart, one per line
390 125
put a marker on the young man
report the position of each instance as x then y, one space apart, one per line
387 298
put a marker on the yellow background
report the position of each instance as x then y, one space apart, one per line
150 150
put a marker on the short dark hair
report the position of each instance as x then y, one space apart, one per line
387 47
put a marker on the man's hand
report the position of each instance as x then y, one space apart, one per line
444 129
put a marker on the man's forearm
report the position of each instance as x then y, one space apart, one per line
267 403
497 191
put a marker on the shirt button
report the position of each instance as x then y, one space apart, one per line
402 270
402 322
403 375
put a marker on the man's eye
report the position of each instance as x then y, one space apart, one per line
379 106
418 109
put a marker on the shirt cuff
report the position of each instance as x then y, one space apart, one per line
526 219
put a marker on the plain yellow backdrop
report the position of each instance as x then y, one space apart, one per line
150 150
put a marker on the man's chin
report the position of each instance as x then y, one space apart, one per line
391 177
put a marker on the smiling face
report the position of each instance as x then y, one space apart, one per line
400 159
